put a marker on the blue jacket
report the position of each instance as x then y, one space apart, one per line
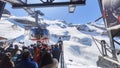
56 53
27 63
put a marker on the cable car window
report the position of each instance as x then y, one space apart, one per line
45 31
37 33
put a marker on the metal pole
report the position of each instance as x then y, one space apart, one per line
102 46
112 45
61 61
105 49
2 5
36 18
55 4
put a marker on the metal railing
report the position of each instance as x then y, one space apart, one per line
104 49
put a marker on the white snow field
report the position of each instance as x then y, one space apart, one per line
80 50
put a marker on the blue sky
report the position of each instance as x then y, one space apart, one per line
83 14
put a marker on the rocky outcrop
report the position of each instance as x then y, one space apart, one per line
83 28
25 21
6 12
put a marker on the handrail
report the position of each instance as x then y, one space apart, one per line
96 44
62 60
105 48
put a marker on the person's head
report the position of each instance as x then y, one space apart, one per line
7 57
16 47
24 47
52 46
7 61
103 41
26 54
32 45
56 46
38 43
11 45
47 59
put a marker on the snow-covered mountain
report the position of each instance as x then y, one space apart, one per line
80 50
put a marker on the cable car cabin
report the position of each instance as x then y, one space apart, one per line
39 34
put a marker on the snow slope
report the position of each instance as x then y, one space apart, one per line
79 51
9 30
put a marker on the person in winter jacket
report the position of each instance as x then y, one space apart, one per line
56 52
26 61
6 61
37 54
48 61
